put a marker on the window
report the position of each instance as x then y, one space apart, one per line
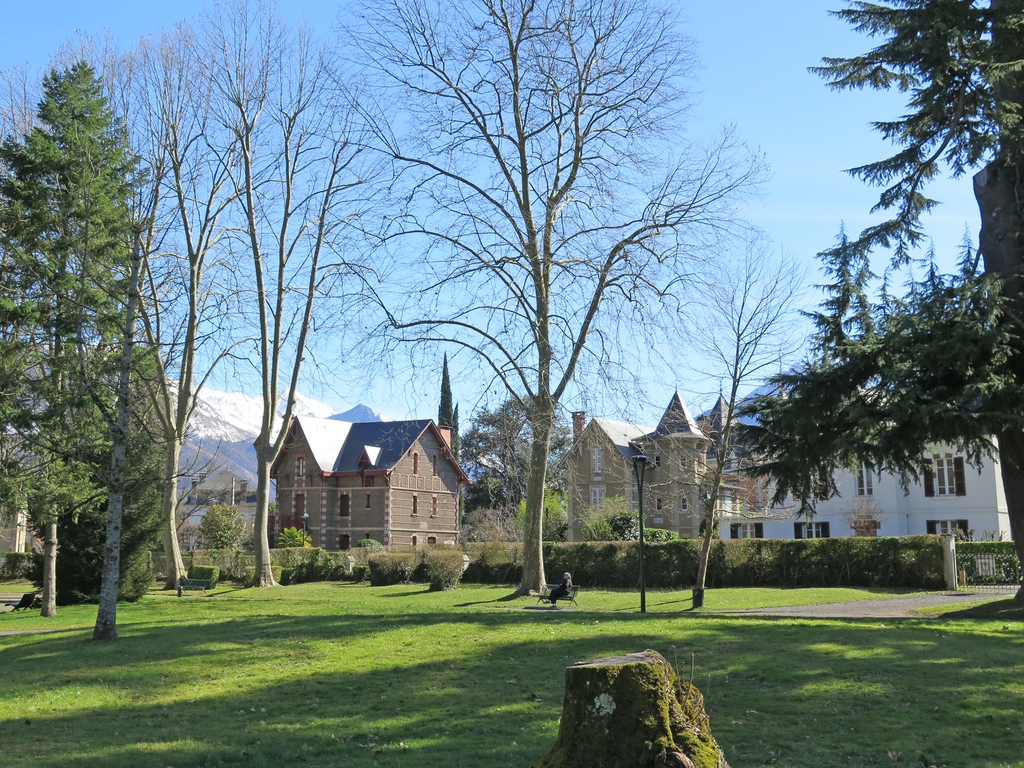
864 484
431 539
946 526
657 504
415 505
944 475
415 463
433 506
367 502
433 464
596 496
368 481
415 541
597 459
682 504
343 542
746 531
657 461
300 470
811 530
344 506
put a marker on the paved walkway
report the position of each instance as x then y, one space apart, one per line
885 608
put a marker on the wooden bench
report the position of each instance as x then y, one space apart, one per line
191 584
545 595
28 600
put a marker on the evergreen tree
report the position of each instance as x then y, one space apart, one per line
445 414
65 193
960 64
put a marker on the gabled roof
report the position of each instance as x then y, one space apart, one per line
677 421
385 442
345 446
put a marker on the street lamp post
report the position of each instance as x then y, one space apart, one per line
639 466
305 527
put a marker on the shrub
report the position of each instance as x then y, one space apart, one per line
444 568
391 568
655 535
293 537
287 577
371 544
209 573
360 573
15 565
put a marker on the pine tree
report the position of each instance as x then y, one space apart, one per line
66 237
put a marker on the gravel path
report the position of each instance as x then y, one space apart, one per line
893 607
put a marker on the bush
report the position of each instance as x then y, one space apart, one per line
360 573
293 537
444 569
371 544
391 568
15 565
287 577
209 573
655 535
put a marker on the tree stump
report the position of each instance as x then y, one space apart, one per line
632 711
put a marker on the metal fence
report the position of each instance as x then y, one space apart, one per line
988 570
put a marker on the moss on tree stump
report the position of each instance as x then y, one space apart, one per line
632 711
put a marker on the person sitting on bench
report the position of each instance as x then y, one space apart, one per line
562 590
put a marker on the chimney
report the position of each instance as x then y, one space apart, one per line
579 423
446 435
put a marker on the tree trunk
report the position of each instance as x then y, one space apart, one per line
49 569
632 711
1002 246
169 514
533 530
705 546
106 616
264 576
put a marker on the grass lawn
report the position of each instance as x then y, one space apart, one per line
352 675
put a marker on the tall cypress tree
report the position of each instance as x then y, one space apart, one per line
444 410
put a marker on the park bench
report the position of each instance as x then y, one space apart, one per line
28 600
545 595
192 584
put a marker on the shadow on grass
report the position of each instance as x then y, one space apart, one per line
998 610
485 688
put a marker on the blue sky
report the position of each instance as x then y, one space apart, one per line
754 76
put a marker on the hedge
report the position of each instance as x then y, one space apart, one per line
1007 566
210 573
909 561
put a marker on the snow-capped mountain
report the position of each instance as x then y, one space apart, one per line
225 423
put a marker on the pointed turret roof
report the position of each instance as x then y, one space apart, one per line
677 421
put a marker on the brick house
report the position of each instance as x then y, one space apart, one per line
396 482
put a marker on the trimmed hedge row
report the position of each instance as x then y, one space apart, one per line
909 561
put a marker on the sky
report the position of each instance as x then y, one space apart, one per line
753 77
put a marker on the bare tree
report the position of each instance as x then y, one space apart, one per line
276 91
187 307
546 186
745 328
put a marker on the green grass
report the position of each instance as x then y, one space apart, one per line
350 675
